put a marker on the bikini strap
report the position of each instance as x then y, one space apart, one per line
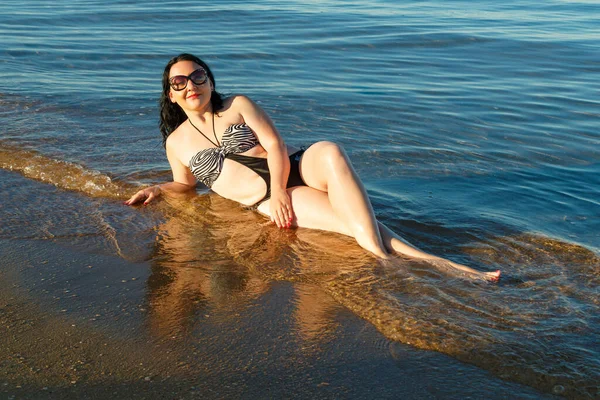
213 128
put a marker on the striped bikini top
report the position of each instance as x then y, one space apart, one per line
207 164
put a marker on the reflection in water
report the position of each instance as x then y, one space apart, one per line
217 260
191 273
315 314
212 257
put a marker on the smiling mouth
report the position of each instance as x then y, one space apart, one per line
193 96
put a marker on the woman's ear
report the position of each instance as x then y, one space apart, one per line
171 97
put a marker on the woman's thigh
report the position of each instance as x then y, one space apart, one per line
316 161
312 209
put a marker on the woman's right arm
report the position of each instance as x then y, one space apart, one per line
183 181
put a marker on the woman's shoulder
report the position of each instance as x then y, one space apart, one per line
236 101
240 104
176 135
235 106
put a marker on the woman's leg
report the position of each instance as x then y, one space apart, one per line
325 166
398 245
312 209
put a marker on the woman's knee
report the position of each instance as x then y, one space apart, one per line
331 153
322 162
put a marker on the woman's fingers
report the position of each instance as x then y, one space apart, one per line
149 198
281 210
283 217
145 195
277 218
289 213
135 198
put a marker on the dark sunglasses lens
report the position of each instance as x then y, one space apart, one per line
178 82
198 77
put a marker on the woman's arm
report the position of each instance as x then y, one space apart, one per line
277 158
183 181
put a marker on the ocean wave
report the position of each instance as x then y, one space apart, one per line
62 174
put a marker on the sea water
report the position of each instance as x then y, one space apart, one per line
474 126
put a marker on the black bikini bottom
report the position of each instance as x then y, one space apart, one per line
260 166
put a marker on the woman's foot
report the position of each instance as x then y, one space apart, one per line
493 276
459 269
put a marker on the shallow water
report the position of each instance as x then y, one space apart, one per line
473 125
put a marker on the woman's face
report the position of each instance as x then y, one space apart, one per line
190 86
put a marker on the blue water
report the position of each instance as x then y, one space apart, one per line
474 126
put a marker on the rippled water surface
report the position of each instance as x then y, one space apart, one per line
474 126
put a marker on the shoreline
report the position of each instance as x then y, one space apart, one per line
254 350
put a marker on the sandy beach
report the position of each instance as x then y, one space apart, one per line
52 353
86 325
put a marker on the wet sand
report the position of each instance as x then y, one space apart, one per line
85 325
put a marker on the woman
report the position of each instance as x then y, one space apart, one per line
232 146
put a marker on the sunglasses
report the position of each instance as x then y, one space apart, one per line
179 82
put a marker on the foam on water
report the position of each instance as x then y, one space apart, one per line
62 174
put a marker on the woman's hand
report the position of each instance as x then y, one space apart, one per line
146 195
280 208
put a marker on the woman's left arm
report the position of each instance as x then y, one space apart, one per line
277 159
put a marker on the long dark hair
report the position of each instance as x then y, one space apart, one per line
171 115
